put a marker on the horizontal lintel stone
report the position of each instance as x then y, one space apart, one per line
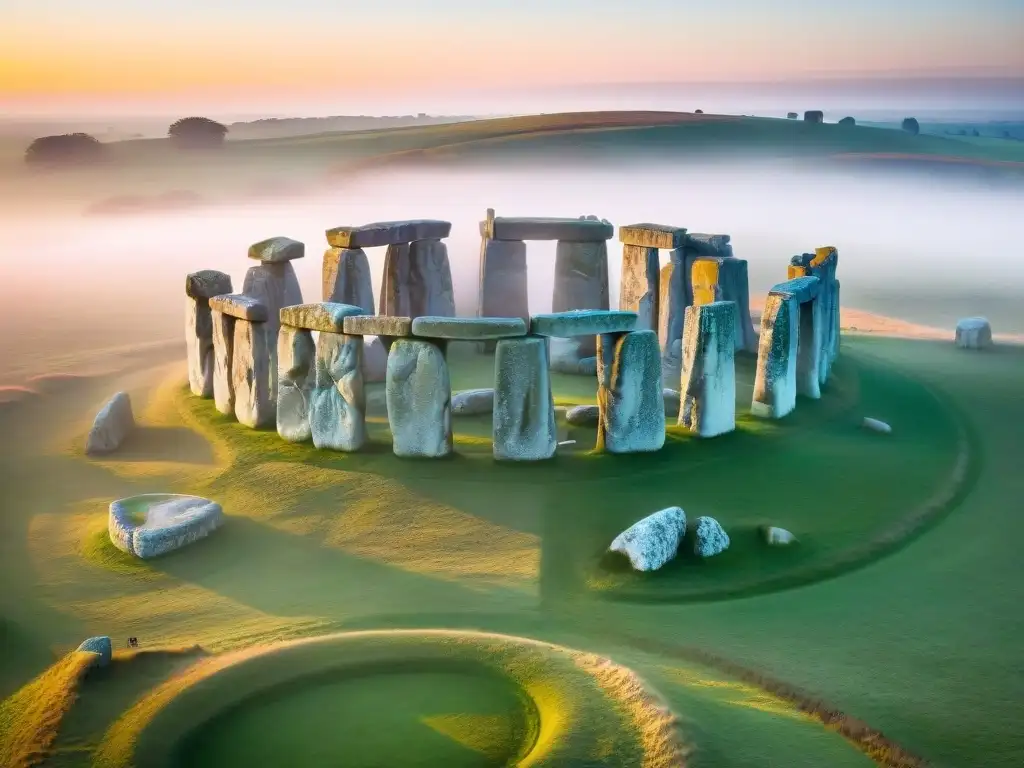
653 236
469 328
325 316
572 230
378 325
388 233
277 249
582 322
800 288
240 306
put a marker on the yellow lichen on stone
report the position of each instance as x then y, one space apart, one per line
821 255
795 270
704 279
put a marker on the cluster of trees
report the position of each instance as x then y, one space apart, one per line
81 148
910 124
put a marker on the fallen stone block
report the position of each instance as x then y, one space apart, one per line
710 538
468 328
543 228
337 411
346 278
653 236
582 322
112 425
254 374
775 380
388 233
708 386
875 425
324 316
419 399
296 376
583 415
629 395
652 541
153 524
223 341
777 537
378 325
101 646
240 307
639 289
207 283
973 333
276 250
524 413
473 402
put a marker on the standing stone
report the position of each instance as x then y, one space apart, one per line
524 409
113 423
775 380
809 349
671 315
395 300
254 373
430 280
295 379
581 282
199 288
503 284
837 324
715 278
346 278
223 342
973 333
708 387
419 399
337 412
639 290
632 408
275 285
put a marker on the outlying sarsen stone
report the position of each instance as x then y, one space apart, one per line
653 541
112 425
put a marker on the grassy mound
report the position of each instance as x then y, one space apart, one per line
517 701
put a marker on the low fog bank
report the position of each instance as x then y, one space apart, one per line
920 251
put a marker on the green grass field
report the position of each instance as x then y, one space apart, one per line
894 615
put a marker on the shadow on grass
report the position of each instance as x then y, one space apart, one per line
175 444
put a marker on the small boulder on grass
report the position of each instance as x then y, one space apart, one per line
653 541
777 537
101 646
875 425
710 538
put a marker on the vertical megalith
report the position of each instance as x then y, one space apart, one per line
708 385
775 380
836 321
395 300
823 264
337 411
524 409
809 349
639 288
724 278
223 341
503 288
295 378
346 278
671 314
581 282
430 280
629 393
419 395
254 373
200 287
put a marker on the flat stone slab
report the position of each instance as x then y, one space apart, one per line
240 306
277 249
800 288
575 230
468 328
378 325
388 233
653 236
153 524
709 245
326 316
207 283
582 322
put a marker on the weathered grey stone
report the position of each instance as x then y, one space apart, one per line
653 236
524 412
388 233
241 307
254 374
583 415
276 285
777 537
875 425
375 360
775 380
672 308
708 386
652 541
378 325
296 353
587 366
473 402
101 646
836 322
199 346
973 333
802 289
419 399
112 425
325 316
503 285
154 524
703 244
468 328
582 322
639 289
541 228
430 279
277 249
581 281
809 350
223 341
395 297
823 264
717 278
337 411
673 401
710 538
346 278
207 283
629 393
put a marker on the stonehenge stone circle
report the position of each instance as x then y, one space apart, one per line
419 399
629 393
653 541
296 375
245 373
337 410
775 380
154 524
708 386
524 407
112 425
346 278
200 287
973 333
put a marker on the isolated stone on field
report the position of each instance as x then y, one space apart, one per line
112 425
153 524
973 333
709 537
524 414
653 541
472 402
778 536
419 399
876 426
101 646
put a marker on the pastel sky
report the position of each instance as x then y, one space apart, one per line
213 51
